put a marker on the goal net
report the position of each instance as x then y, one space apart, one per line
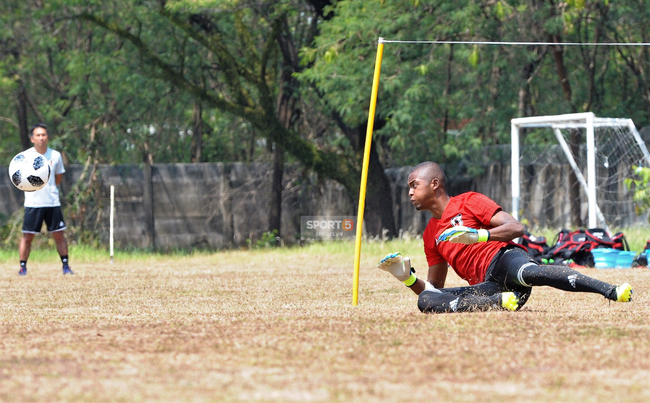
599 152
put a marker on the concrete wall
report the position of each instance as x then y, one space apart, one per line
216 205
208 205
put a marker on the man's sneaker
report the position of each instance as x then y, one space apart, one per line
22 271
66 270
624 293
509 301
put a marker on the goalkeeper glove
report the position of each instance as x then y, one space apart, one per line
400 267
465 235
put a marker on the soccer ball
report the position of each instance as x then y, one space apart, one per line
29 171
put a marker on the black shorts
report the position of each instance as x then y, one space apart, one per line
501 276
35 216
506 268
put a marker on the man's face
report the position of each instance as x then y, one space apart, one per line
420 191
39 137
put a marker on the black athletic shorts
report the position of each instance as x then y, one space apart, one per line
501 276
35 216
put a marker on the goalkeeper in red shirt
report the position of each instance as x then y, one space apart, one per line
473 235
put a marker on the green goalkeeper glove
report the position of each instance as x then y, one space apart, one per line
465 235
398 266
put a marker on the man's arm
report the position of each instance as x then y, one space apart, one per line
506 227
438 274
58 178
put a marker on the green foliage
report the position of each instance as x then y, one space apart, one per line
118 81
80 76
640 183
270 239
428 92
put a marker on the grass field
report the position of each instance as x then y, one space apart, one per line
279 326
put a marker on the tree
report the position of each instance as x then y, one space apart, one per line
239 51
447 103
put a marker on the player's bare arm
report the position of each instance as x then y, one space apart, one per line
506 227
438 274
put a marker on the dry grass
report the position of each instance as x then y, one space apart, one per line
279 326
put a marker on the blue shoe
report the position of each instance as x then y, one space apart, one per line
22 271
66 270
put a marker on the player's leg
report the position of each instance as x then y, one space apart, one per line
24 248
56 225
62 248
488 288
481 297
516 268
436 301
32 222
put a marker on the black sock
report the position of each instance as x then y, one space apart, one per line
64 260
23 263
564 278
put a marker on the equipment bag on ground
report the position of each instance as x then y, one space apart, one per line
576 246
535 245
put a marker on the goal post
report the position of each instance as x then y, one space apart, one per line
603 138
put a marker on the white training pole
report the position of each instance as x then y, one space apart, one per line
112 216
591 170
514 166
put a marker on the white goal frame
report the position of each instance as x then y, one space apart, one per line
586 120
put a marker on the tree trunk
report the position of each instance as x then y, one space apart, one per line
23 125
523 104
197 133
275 208
574 185
379 216
286 113
285 110
447 92
378 212
147 203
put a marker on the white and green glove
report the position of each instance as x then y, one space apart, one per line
460 234
398 266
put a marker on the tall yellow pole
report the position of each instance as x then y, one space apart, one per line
364 172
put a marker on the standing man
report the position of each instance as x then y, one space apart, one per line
473 235
44 205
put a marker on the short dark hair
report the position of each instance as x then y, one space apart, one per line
36 126
432 170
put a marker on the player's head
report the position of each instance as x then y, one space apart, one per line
38 136
429 171
426 181
37 126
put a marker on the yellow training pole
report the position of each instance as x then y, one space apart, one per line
364 172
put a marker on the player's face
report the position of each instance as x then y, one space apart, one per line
40 138
420 191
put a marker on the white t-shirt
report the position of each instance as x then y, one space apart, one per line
48 196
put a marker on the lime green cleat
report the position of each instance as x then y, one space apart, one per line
509 301
624 293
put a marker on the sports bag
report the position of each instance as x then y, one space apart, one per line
642 259
535 245
576 246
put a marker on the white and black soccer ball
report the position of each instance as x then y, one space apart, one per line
29 171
